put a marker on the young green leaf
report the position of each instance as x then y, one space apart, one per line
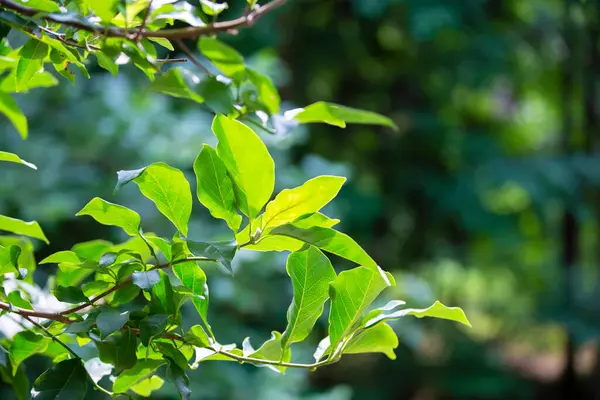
194 278
437 310
223 251
16 226
119 349
217 96
173 83
290 204
379 338
15 299
110 320
197 337
248 162
70 294
215 187
267 92
162 296
9 259
24 345
113 215
31 60
143 369
145 279
176 375
11 157
167 188
351 293
272 350
212 8
337 115
311 272
9 107
66 380
42 5
107 63
147 386
170 351
224 57
65 256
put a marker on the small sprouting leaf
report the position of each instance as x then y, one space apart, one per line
267 92
197 337
24 345
351 293
224 57
11 157
248 162
329 240
223 251
110 320
437 310
145 280
119 349
311 272
194 278
173 83
147 386
215 187
167 188
31 60
16 300
66 380
290 204
272 350
31 229
113 215
337 115
376 339
65 256
9 107
143 369
212 8
70 294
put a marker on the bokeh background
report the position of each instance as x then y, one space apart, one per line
488 197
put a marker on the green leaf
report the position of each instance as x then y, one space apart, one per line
65 256
177 376
107 63
223 251
212 8
21 385
66 380
163 42
8 107
9 259
105 9
267 92
31 60
145 280
119 349
162 296
337 115
437 310
113 215
376 339
217 96
290 204
142 370
351 293
197 337
167 188
168 350
215 187
152 326
70 294
272 350
41 79
10 157
310 272
16 226
147 386
163 245
16 300
173 83
125 295
224 57
42 5
248 162
25 344
331 241
110 320
194 278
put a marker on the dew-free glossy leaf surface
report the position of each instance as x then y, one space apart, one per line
111 214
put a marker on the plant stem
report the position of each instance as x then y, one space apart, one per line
51 336
252 360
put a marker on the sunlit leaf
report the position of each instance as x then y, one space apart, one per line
194 278
267 92
42 5
337 115
272 350
113 215
31 60
142 370
174 84
147 386
222 251
210 7
224 57
145 279
24 345
70 294
437 310
8 107
16 226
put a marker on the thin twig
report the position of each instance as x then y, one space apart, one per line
177 33
61 38
171 60
142 27
274 363
191 56
51 336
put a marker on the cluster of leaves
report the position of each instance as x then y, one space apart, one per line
124 320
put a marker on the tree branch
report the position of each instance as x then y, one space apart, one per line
191 56
274 363
178 33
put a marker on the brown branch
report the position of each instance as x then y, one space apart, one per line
178 33
171 60
191 56
31 313
142 28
